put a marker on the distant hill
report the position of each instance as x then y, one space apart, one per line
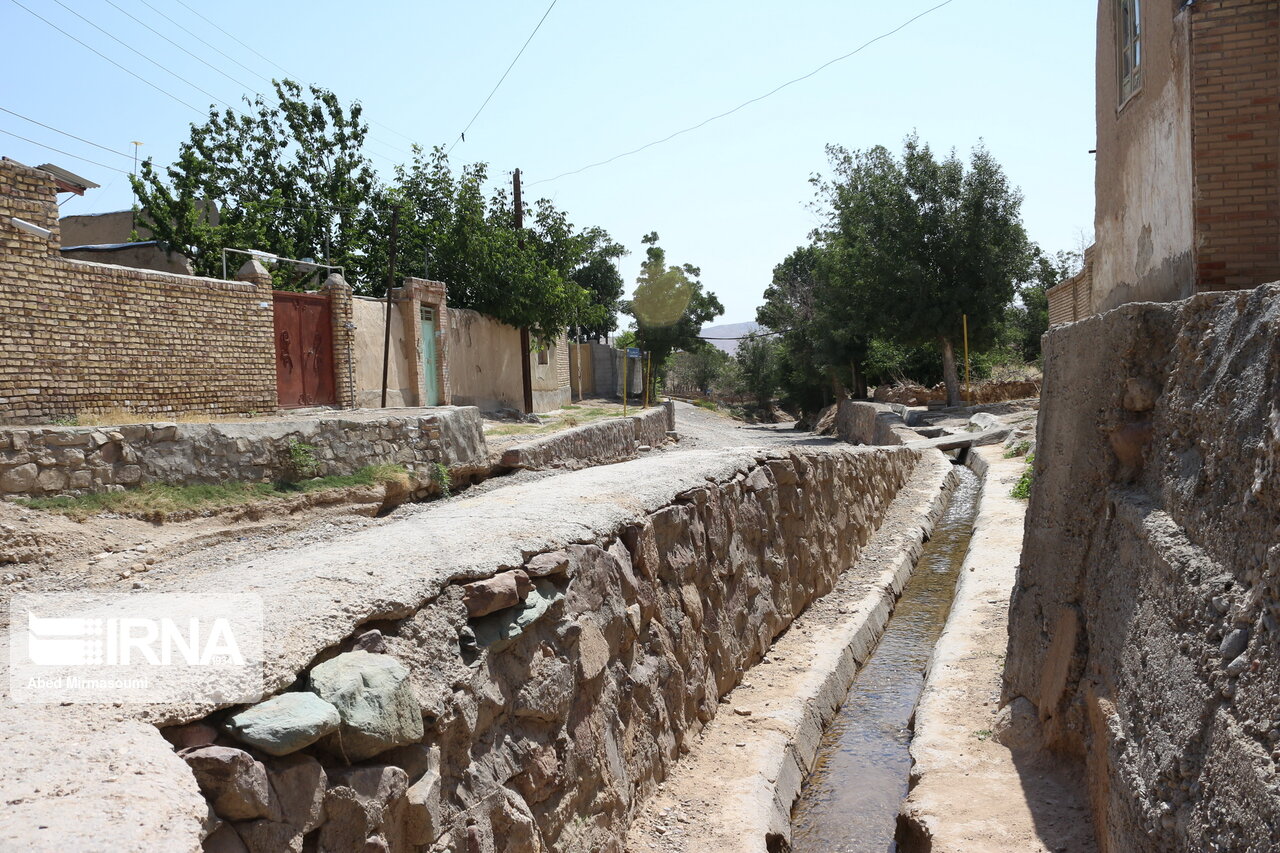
729 330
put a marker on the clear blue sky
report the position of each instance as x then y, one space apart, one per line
600 78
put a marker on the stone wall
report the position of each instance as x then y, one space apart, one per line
46 461
84 337
536 708
600 443
1145 623
871 423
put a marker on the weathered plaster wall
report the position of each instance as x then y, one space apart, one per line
78 460
1143 223
485 361
1145 624
551 380
370 316
86 337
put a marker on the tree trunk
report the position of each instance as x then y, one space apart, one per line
949 375
859 382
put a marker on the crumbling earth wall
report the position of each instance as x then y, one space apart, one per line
1145 624
536 708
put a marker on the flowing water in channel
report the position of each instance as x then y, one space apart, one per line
850 802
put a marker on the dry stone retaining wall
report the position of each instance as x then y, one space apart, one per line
606 441
534 710
45 461
1145 623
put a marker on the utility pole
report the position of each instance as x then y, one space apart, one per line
391 278
526 366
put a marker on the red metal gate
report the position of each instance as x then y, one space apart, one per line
304 350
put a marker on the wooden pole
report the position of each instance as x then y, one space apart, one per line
526 364
648 358
626 359
391 278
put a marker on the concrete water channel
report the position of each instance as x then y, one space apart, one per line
850 802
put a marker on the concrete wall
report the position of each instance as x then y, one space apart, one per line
79 460
1145 622
370 315
85 337
485 361
1143 221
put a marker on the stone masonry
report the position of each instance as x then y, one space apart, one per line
86 337
43 461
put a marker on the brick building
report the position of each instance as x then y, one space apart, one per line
1188 153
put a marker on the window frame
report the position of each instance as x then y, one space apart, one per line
1129 32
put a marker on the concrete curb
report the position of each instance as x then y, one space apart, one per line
781 710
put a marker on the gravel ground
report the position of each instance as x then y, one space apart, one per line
55 553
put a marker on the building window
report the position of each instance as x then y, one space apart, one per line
1129 28
544 356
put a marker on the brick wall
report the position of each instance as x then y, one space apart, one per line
1236 140
85 337
1072 300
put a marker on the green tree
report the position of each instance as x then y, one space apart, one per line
697 371
460 235
288 176
757 359
820 338
918 242
669 306
1028 319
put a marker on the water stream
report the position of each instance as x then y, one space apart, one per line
850 802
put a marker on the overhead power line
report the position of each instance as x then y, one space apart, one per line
60 151
129 47
236 40
71 135
463 135
164 92
745 104
203 42
128 14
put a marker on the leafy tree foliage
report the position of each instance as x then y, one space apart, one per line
916 242
757 358
669 306
289 177
1028 321
697 371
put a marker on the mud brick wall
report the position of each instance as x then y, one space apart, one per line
84 337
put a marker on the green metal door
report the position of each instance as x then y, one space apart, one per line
430 381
